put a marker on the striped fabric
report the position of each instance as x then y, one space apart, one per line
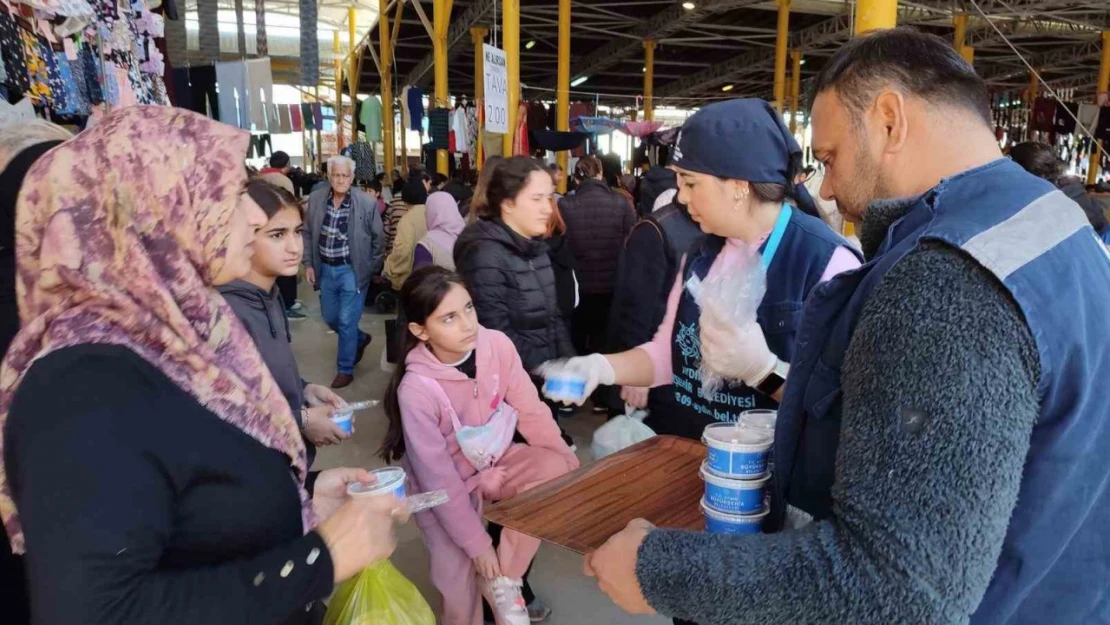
242 33
260 27
177 43
208 17
310 47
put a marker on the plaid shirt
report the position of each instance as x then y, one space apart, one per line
333 233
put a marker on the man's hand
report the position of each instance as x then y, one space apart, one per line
319 395
310 275
321 430
614 566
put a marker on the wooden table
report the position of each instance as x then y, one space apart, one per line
657 480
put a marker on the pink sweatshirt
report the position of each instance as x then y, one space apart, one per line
433 459
659 348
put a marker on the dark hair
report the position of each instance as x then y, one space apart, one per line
438 180
587 168
420 295
414 192
479 198
270 198
506 179
376 185
554 168
920 64
424 176
279 160
1038 159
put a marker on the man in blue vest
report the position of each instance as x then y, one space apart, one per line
941 446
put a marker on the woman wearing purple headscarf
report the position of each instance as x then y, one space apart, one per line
444 225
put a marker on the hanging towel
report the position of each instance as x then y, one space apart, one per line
309 118
1088 118
1066 112
520 138
371 118
208 19
406 120
461 127
233 99
318 115
285 124
260 82
439 127
415 101
295 117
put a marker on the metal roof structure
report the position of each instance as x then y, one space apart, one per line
731 42
715 44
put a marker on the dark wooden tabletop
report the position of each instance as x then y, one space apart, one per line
657 480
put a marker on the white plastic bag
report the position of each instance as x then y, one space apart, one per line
620 432
732 296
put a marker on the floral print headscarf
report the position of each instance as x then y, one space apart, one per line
119 235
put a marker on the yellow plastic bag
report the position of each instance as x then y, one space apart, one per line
379 595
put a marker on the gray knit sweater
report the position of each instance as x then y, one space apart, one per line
920 506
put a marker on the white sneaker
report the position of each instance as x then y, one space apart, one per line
507 601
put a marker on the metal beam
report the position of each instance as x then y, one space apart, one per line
839 29
458 32
667 22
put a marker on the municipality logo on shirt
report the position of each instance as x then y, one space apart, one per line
677 154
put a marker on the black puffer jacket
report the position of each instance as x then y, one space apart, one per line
598 221
655 181
513 286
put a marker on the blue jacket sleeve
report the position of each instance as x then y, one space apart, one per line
919 513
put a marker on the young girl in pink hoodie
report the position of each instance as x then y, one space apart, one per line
453 408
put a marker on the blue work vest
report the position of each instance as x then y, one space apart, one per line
1055 561
796 267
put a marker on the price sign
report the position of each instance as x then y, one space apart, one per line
496 89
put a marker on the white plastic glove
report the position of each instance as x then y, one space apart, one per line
592 371
736 353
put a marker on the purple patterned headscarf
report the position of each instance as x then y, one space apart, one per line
119 235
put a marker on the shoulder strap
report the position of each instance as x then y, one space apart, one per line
440 395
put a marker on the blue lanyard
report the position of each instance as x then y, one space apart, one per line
773 241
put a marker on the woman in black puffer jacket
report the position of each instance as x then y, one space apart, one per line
504 261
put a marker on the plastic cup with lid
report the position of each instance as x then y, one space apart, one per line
736 451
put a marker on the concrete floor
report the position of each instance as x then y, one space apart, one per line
557 573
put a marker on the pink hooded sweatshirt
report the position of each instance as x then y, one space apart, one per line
433 459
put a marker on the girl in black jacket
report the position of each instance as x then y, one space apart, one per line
505 263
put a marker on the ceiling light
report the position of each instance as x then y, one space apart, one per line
727 87
689 6
528 46
578 81
803 62
645 69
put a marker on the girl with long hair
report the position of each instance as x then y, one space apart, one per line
454 404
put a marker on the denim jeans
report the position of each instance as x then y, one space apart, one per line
341 305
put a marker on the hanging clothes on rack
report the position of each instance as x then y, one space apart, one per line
520 137
371 118
415 105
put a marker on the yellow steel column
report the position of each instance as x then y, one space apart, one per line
781 36
510 36
478 38
1100 94
795 89
959 20
441 19
353 74
649 79
562 92
969 54
876 14
386 74
338 50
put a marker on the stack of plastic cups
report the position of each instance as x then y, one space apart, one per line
736 473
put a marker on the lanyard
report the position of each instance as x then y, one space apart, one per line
775 238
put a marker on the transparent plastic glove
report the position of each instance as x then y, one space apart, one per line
735 352
571 381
